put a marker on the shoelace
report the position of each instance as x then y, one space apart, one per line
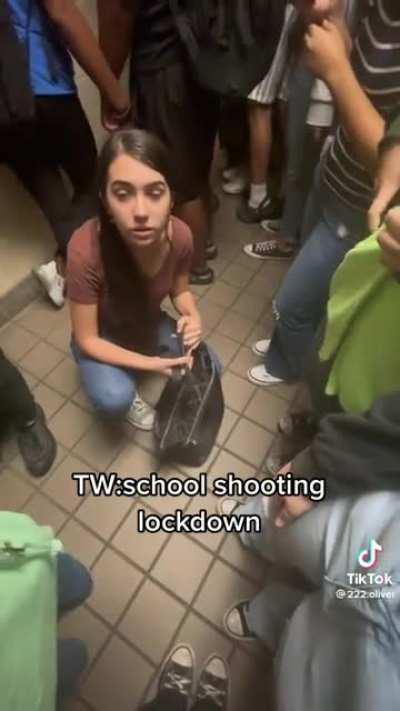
264 247
176 682
140 405
209 692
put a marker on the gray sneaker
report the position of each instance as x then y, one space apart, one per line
213 686
141 415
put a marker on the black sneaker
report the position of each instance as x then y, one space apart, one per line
37 445
213 686
201 277
268 209
269 249
175 684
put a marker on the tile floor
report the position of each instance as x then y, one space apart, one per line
152 591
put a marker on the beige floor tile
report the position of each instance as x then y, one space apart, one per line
182 578
260 330
286 391
151 632
49 399
103 514
45 512
18 465
150 388
61 487
249 306
243 360
40 318
83 624
262 287
70 424
30 379
80 542
140 548
209 503
167 504
249 441
235 326
14 492
225 463
224 347
114 583
246 562
219 265
229 420
118 679
204 639
237 275
211 314
134 461
60 338
41 359
266 409
242 260
237 391
16 341
8 449
231 587
79 398
100 445
223 294
64 378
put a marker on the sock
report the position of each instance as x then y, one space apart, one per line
258 193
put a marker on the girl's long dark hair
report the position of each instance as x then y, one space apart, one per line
123 279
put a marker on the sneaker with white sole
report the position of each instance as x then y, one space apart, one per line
260 348
259 376
141 415
271 225
235 181
269 249
52 281
235 622
212 693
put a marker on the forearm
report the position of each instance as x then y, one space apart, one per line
106 352
84 47
361 121
116 20
186 305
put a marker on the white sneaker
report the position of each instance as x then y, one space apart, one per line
236 183
52 281
271 225
259 376
260 348
141 415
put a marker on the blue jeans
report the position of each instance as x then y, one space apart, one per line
331 229
303 152
112 389
74 586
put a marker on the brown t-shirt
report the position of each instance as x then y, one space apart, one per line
86 282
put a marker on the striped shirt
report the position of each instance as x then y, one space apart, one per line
376 63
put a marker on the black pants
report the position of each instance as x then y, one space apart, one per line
59 138
17 406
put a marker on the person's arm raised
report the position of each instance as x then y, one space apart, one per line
86 335
84 47
326 55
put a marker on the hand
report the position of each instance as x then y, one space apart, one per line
325 51
190 327
165 366
387 184
389 240
114 117
291 506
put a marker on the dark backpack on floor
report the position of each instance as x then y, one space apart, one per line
189 412
230 43
17 104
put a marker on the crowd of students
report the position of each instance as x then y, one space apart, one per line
314 151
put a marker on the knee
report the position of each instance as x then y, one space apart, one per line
112 400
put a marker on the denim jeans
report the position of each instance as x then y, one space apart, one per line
74 586
330 229
112 389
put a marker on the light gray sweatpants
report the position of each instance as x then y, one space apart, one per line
339 645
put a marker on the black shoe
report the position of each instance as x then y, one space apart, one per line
213 686
175 684
37 445
268 209
202 276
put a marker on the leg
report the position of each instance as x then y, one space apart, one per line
168 346
72 661
17 406
260 149
74 583
110 389
269 611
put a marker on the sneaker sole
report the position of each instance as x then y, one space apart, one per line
262 382
144 428
256 352
270 259
45 287
232 635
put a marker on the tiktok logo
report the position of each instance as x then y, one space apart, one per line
368 556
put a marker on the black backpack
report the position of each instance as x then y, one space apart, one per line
17 103
230 43
189 412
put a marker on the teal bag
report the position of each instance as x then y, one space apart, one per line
28 614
